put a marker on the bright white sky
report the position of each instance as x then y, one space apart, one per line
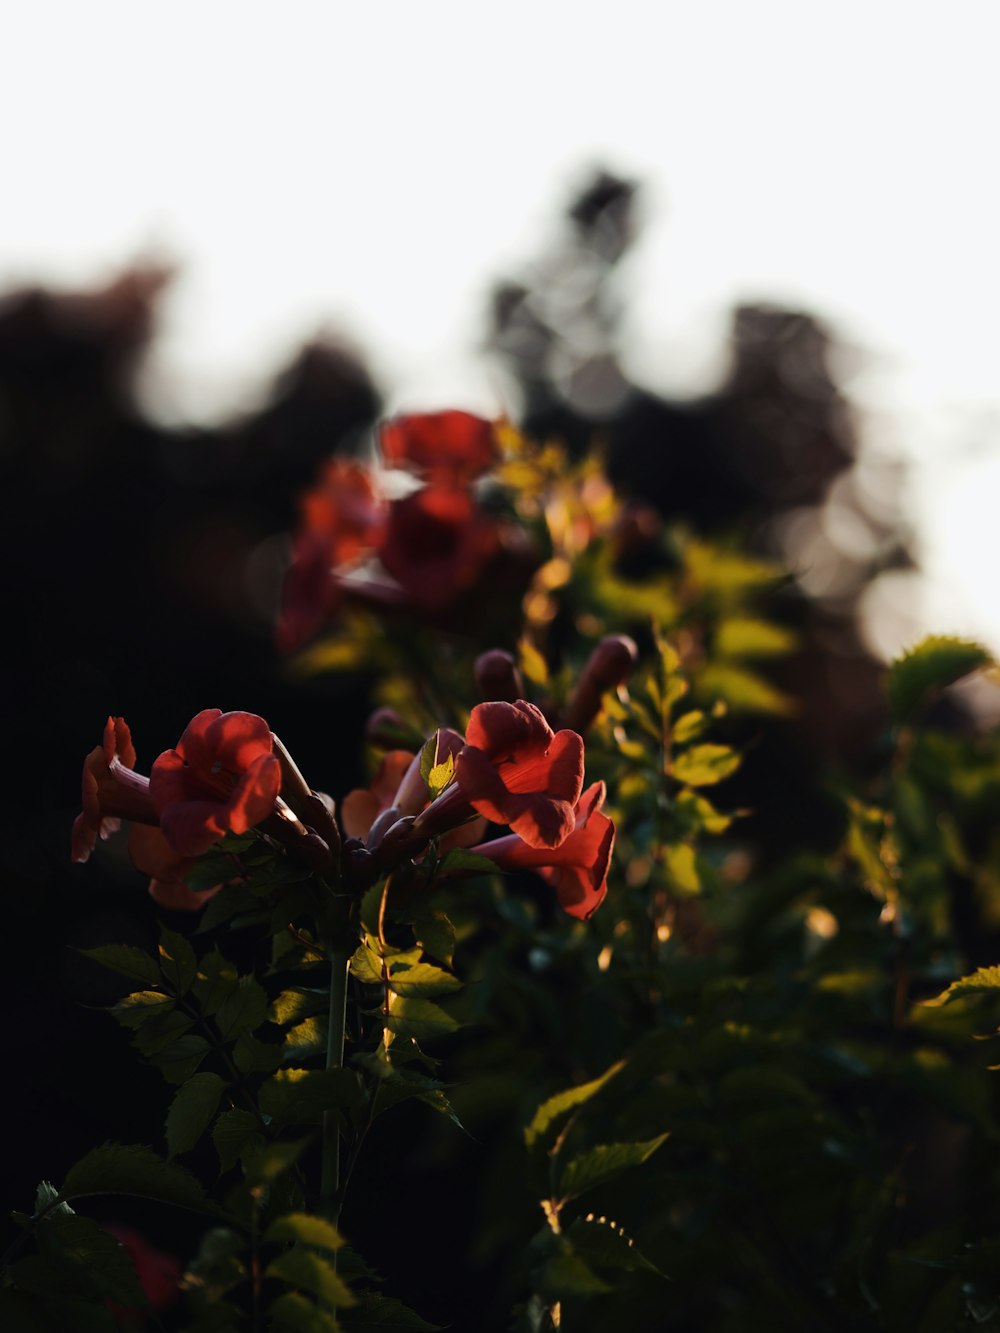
371 167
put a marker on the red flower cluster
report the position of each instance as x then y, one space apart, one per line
422 549
222 777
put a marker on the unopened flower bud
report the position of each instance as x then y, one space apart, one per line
610 665
497 676
387 730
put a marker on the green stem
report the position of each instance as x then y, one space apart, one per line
330 1172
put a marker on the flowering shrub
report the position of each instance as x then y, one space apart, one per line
708 1084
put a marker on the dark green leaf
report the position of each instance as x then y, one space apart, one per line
89 1259
128 961
599 1243
177 961
980 982
300 1096
179 1061
140 1006
305 1039
119 1168
233 1132
366 966
460 862
553 1113
603 1163
252 1056
266 1164
244 1008
215 981
292 1006
375 1313
932 665
566 1274
435 934
191 1111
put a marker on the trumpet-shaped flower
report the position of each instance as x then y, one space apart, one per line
578 868
222 777
112 790
515 770
438 544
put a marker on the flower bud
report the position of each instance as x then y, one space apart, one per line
497 676
610 665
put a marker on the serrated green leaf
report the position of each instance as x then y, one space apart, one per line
418 1018
141 1006
436 935
126 960
311 1273
981 982
936 662
118 1168
305 1039
366 966
375 1313
244 1008
160 1030
78 1258
371 903
460 862
292 1311
553 1112
566 1274
300 1096
704 765
227 903
252 1056
179 1060
599 1243
192 1110
306 1229
177 961
215 980
292 1006
422 979
598 1165
232 1134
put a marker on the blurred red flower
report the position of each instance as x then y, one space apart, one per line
515 770
451 448
578 868
438 543
159 1275
152 855
222 777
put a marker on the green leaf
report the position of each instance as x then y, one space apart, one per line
566 1274
371 903
292 1006
300 1096
428 758
680 863
703 765
422 979
251 1056
311 1273
689 726
532 664
436 935
215 980
305 1229
305 1039
375 1313
981 982
366 966
932 665
191 1111
265 1164
599 1242
294 1312
440 775
553 1113
460 862
161 1028
232 1134
140 1006
177 961
603 1163
418 1018
77 1257
128 961
744 636
743 691
244 1008
179 1061
118 1168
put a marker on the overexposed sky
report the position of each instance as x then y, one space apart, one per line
374 167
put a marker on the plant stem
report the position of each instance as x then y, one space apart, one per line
330 1171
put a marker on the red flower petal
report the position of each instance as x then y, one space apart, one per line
451 446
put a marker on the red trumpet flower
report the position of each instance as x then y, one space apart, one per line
222 777
578 868
112 790
450 447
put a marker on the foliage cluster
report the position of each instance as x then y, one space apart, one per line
712 1092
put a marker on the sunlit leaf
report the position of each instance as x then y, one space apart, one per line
310 1272
422 979
980 982
553 1112
418 1018
932 665
598 1165
306 1229
293 1312
704 765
